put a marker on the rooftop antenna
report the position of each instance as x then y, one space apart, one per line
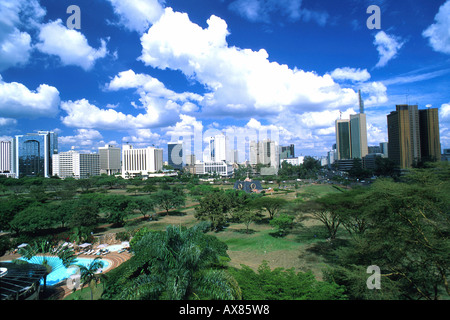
361 102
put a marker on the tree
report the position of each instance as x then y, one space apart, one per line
175 264
311 164
143 205
63 210
270 204
84 214
43 247
117 207
385 167
214 208
169 199
357 171
148 188
350 207
9 207
247 215
281 284
85 184
89 276
283 223
407 238
323 210
38 193
33 219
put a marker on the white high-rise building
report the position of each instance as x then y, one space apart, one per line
265 152
141 161
218 149
76 165
5 157
110 159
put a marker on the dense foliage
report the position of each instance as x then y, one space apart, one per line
399 224
175 264
281 284
401 227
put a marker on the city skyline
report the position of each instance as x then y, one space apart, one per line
149 77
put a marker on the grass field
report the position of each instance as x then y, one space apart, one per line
296 250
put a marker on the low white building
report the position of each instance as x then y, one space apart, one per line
223 168
294 161
76 165
141 162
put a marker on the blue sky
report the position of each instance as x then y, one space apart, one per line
147 72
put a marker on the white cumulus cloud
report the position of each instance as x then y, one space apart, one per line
387 47
438 33
83 137
70 45
156 113
149 85
16 17
241 81
17 101
138 15
351 74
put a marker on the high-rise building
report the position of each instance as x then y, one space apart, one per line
343 142
76 165
445 156
87 165
141 162
5 157
384 149
287 152
430 146
358 136
33 153
218 148
266 152
110 159
351 135
253 152
175 155
404 135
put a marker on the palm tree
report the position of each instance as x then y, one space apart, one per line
43 249
89 274
178 264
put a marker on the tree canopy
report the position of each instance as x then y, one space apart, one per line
175 264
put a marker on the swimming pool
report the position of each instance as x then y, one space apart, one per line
114 247
59 272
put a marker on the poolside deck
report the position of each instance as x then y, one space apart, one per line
60 290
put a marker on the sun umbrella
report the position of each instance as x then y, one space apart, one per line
84 245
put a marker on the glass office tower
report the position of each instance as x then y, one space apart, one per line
33 154
343 142
175 155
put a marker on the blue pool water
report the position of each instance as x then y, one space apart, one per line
59 272
115 247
